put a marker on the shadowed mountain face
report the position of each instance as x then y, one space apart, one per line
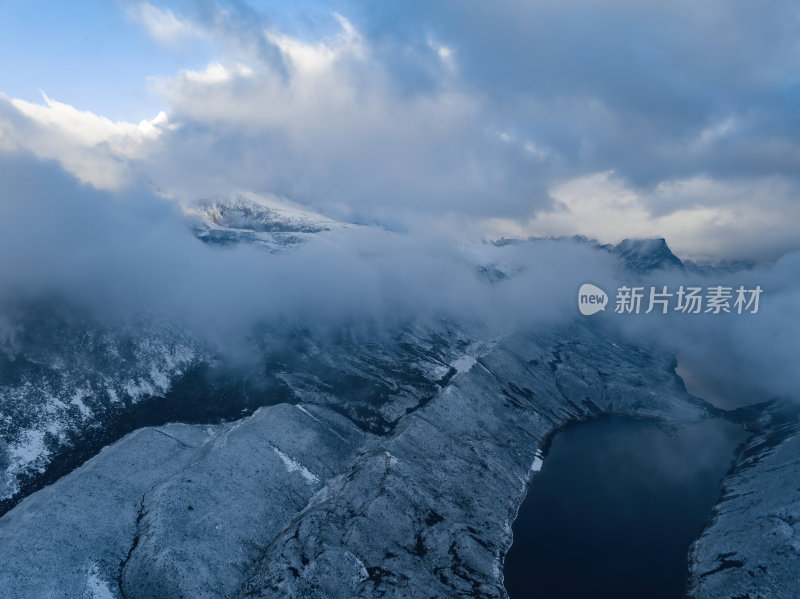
640 256
354 463
646 255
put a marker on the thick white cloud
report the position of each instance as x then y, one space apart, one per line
93 148
335 130
702 218
508 119
124 254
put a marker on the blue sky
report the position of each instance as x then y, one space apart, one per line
608 118
88 53
92 54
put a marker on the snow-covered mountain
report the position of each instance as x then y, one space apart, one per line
410 490
264 220
66 378
70 382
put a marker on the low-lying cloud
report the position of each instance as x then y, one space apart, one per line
448 123
129 251
132 253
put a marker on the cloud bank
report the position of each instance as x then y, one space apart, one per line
609 119
447 123
121 255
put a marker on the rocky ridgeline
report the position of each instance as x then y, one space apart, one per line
752 546
299 501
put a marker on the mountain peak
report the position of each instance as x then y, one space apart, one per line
646 255
269 221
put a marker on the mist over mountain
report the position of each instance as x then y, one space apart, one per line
121 255
144 289
295 297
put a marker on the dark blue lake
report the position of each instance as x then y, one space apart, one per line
615 508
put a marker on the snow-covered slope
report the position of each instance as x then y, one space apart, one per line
264 220
752 546
65 377
68 381
300 501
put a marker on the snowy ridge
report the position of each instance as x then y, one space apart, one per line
52 391
263 220
421 507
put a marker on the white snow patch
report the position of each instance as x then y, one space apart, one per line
96 586
361 573
53 405
160 379
433 370
538 461
56 429
307 413
77 400
138 389
30 450
295 466
464 363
